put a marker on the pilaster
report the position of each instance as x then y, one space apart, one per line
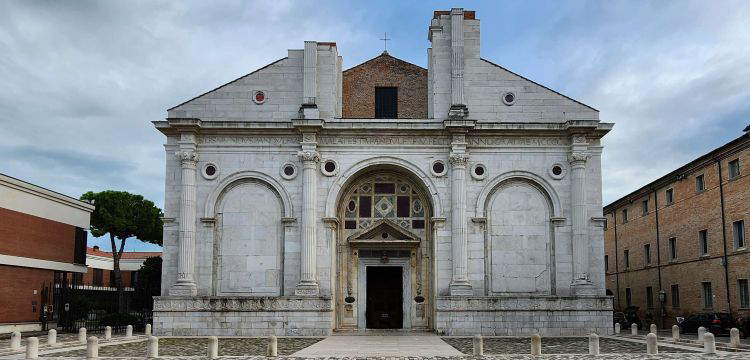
309 156
460 285
188 157
578 157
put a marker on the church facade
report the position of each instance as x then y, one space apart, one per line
302 199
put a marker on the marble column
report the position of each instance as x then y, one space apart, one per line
185 285
459 246
581 248
308 284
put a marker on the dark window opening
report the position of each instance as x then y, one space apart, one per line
79 252
403 206
350 224
438 167
417 224
386 102
98 277
365 206
385 188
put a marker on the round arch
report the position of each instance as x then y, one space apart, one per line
214 196
496 182
350 174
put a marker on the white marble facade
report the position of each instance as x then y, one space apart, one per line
503 234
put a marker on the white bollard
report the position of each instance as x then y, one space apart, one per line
675 333
153 347
617 328
478 345
129 331
272 349
701 333
734 338
107 332
709 343
32 348
213 347
634 329
536 344
15 341
593 344
52 337
92 348
651 347
654 329
148 330
82 335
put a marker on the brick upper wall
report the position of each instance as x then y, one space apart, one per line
360 81
17 287
34 237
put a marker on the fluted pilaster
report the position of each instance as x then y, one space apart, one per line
459 246
581 248
185 284
308 267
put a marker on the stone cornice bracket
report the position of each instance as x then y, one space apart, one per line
187 157
458 159
331 222
308 155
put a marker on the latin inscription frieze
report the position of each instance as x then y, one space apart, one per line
249 140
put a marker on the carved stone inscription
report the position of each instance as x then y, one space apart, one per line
249 140
518 141
384 140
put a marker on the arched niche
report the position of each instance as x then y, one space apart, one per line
213 197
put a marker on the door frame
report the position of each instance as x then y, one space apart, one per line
403 263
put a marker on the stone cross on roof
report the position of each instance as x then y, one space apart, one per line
385 43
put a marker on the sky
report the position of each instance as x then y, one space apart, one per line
81 81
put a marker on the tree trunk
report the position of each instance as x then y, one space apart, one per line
116 255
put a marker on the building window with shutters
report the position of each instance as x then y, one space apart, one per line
738 228
626 256
386 102
744 293
628 297
644 207
672 249
649 297
669 194
703 242
699 183
734 168
624 216
675 296
708 295
647 253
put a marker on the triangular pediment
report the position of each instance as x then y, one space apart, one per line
383 230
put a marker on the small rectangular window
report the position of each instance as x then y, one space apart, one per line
386 102
744 293
703 241
417 224
699 184
385 188
670 196
628 297
402 208
738 228
365 206
647 253
606 263
627 258
350 224
644 207
708 295
673 247
649 297
734 168
675 295
625 215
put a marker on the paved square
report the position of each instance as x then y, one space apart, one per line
423 345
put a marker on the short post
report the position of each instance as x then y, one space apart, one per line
536 344
701 333
129 331
617 328
593 344
148 329
654 329
92 348
52 337
634 329
32 348
651 347
272 346
675 333
734 338
478 345
709 343
213 347
153 347
15 341
82 335
107 332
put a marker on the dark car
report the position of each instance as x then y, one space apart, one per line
716 323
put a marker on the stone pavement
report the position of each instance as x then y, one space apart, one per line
423 345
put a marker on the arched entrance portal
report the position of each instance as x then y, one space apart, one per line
384 253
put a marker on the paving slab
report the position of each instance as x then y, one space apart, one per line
379 345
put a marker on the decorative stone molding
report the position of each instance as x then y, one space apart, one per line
285 167
254 304
331 222
599 221
563 171
477 174
578 157
458 159
288 221
187 157
205 172
208 221
557 221
308 155
524 303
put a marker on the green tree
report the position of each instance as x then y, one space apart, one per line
123 215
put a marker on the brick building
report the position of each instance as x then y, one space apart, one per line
100 264
678 245
42 236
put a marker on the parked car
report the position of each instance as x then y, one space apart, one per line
715 322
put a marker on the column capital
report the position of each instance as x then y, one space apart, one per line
308 156
187 157
458 159
579 158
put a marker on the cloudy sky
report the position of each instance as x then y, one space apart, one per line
80 81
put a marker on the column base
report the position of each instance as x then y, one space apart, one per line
183 289
307 289
583 287
458 112
461 289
